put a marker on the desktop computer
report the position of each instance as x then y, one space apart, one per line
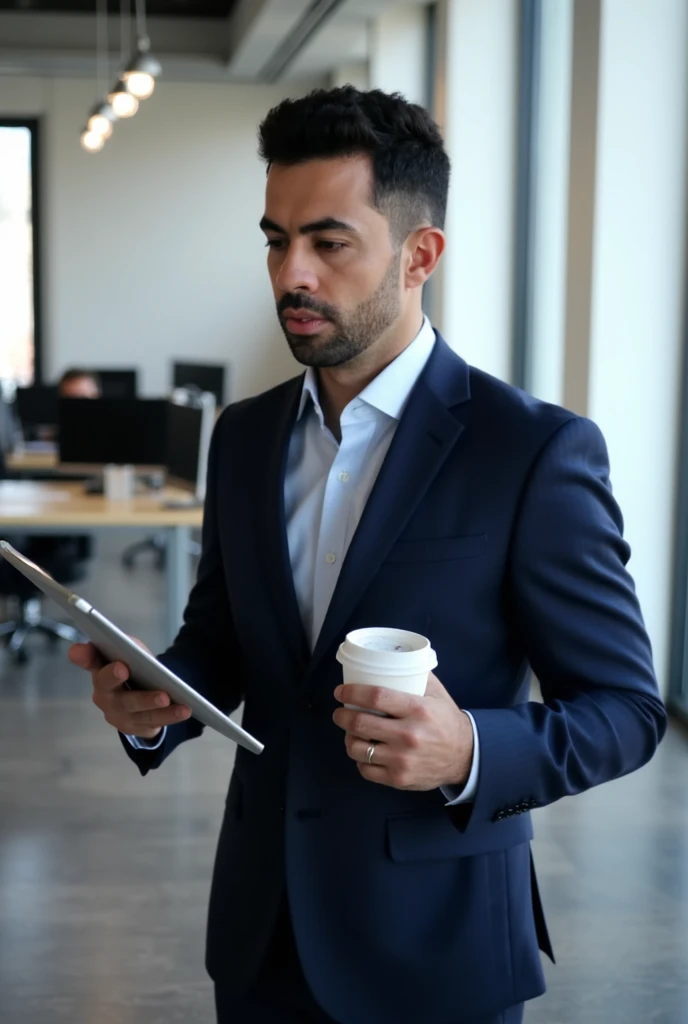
118 383
190 422
112 430
36 409
200 377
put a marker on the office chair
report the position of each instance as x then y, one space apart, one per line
157 545
63 564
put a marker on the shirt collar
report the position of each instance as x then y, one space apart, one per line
390 390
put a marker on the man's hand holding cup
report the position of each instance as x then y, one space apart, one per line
402 727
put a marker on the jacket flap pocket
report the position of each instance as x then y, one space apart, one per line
416 837
443 550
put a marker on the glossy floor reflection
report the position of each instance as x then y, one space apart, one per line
104 877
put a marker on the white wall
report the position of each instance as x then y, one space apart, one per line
151 247
356 73
398 52
479 74
638 283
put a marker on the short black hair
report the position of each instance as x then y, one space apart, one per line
410 164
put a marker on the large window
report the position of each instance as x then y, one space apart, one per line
19 321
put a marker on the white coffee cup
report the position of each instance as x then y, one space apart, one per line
118 482
394 658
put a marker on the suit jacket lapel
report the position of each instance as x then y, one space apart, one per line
424 437
272 533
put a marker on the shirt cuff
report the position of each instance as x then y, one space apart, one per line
454 794
139 743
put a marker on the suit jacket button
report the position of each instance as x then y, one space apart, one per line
308 706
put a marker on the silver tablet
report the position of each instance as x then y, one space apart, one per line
114 645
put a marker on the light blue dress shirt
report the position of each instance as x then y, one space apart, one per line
327 485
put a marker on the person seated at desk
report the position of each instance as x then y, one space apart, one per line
77 383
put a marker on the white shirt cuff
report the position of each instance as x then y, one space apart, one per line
453 794
138 743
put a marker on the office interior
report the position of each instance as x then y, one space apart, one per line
565 274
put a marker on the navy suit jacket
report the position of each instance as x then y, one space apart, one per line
492 530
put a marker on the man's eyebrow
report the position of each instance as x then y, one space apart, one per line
269 225
326 224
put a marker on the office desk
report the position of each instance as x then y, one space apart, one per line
28 461
51 507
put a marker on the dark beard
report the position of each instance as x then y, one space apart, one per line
353 333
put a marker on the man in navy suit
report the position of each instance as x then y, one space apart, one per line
377 870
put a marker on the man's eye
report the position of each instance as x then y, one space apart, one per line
275 243
330 246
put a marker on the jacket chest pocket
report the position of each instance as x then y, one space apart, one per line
446 549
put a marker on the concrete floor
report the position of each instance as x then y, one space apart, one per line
104 877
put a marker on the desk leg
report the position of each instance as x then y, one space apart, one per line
178 577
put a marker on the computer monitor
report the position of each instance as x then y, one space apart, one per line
200 377
36 407
119 430
190 421
118 383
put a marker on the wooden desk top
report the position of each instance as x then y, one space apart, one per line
51 503
23 461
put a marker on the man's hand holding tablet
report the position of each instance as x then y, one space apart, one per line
141 713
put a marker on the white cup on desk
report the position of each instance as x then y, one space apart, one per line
394 658
118 482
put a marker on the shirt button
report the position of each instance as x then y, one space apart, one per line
330 558
344 477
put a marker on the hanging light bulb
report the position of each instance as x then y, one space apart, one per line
99 125
100 120
122 102
140 73
91 141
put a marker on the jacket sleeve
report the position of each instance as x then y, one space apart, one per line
574 610
205 652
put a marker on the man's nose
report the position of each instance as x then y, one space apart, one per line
295 273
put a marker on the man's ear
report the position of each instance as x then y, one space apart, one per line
424 248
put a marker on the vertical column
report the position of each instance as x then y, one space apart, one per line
581 213
478 75
551 202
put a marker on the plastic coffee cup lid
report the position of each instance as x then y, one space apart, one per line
384 650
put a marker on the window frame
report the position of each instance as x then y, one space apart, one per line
678 651
33 126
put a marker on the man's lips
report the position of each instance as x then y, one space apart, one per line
302 321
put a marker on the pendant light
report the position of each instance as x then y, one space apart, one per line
101 116
120 99
91 141
140 73
100 120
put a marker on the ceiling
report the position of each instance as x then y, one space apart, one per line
155 8
195 40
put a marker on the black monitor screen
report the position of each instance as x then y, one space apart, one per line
118 430
183 442
117 383
201 376
37 406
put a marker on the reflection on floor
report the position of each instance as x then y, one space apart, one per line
104 877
